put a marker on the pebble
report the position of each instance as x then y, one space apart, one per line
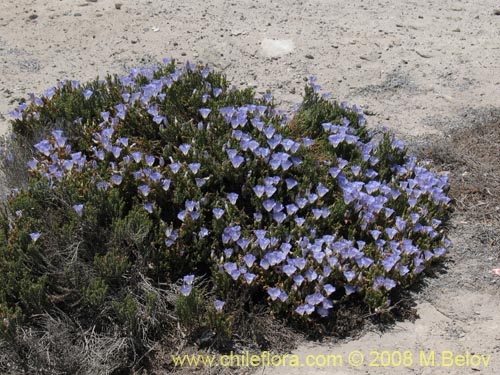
118 6
77 14
33 16
310 57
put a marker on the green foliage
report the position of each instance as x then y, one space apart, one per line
128 193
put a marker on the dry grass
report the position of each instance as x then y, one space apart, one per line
472 156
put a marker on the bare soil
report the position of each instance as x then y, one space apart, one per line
429 70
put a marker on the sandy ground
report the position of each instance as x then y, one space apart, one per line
418 67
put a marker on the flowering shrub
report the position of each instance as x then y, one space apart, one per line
177 174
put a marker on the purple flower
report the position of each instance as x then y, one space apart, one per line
35 236
299 221
329 289
380 281
175 167
243 243
218 212
298 280
269 132
230 267
350 275
148 207
237 160
269 204
203 232
150 160
290 183
259 190
314 299
249 260
194 167
184 148
279 217
165 184
218 305
301 202
116 179
188 279
249 277
144 189
137 156
274 293
87 94
217 91
32 164
391 232
349 289
375 233
205 112
311 275
322 190
44 147
289 269
78 209
232 197
270 190
186 290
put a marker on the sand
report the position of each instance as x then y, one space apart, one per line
420 68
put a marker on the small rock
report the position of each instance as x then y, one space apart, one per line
118 6
77 14
310 57
91 1
277 47
496 12
457 30
183 54
33 16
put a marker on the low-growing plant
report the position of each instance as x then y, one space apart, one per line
169 174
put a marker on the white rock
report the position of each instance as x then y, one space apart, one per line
277 47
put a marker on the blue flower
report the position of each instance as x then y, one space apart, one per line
232 197
249 260
203 232
175 167
314 299
218 212
44 147
205 112
144 189
237 160
78 209
269 204
184 148
87 93
35 236
186 290
188 279
194 167
137 156
218 305
329 289
289 269
274 293
249 277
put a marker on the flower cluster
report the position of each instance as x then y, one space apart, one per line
309 221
